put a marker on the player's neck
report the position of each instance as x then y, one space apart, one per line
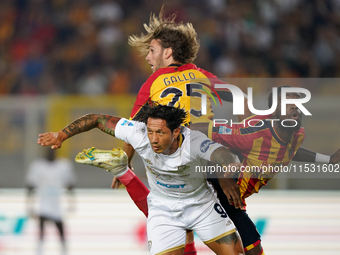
172 148
174 64
285 134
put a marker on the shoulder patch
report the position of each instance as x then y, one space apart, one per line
224 130
127 123
205 145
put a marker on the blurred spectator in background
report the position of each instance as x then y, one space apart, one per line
48 177
66 42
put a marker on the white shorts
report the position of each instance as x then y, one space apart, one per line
168 221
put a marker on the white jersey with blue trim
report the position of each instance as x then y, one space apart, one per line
170 176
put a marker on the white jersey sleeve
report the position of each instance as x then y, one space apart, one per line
132 132
201 146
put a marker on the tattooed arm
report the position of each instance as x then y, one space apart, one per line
105 123
229 186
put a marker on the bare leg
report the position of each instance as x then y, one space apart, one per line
60 227
41 235
227 245
189 244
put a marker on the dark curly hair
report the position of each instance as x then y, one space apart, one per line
174 116
181 38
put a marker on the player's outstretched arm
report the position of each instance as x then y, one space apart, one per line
306 155
105 123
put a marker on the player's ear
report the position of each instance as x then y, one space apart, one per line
168 52
176 132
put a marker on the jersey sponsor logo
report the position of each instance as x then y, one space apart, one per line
205 145
127 123
172 186
224 130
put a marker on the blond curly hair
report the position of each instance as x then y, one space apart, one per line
181 38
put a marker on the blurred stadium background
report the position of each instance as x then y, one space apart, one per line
60 59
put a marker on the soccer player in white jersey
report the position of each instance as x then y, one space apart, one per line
179 199
49 177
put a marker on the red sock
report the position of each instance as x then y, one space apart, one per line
136 189
190 249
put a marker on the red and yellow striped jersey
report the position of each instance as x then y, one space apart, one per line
261 148
182 86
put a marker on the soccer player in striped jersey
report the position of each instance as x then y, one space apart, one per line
261 143
170 48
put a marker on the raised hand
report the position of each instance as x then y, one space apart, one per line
232 191
53 139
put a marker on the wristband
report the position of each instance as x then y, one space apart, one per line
320 158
